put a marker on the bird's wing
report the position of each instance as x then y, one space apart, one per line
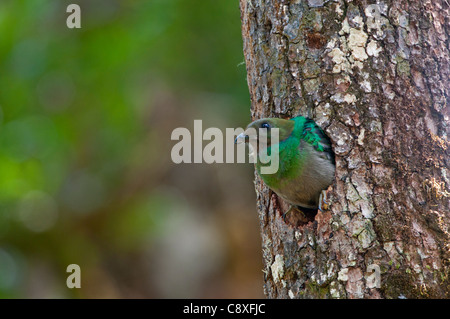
315 136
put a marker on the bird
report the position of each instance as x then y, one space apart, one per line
306 159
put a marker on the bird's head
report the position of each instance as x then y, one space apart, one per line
260 132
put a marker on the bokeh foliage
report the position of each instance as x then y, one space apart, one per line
85 171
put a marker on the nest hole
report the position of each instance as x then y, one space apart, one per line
301 217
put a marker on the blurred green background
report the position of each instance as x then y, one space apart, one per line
86 176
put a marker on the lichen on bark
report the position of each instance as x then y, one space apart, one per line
375 76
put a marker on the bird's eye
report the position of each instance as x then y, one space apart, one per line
265 125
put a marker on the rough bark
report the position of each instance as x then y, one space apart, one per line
375 77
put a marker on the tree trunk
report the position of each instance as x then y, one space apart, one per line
375 77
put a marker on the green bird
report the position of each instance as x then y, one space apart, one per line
306 160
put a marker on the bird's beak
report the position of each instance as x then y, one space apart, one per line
241 138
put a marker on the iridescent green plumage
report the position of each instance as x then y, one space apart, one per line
306 161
